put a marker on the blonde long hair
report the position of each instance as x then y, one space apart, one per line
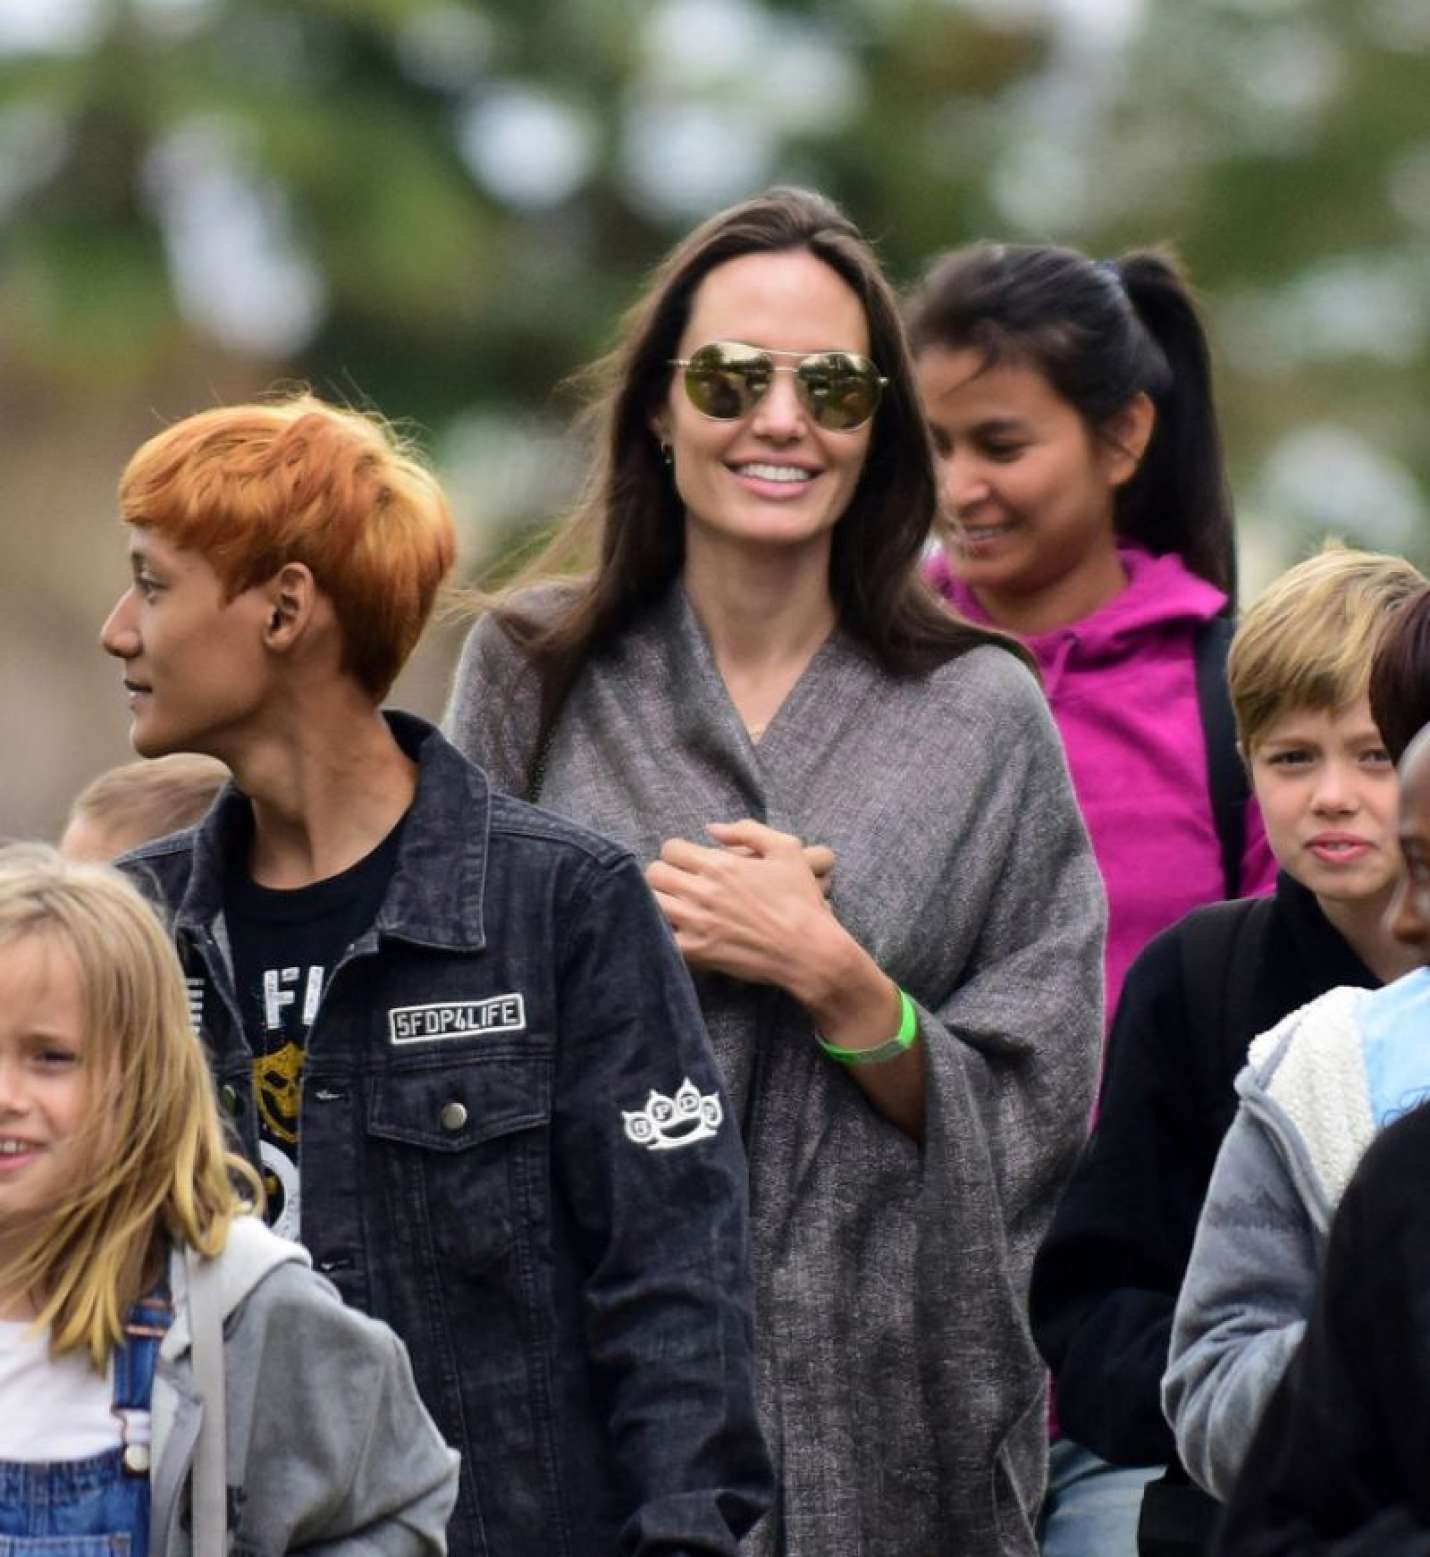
158 1168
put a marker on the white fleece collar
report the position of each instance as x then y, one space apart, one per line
1311 1065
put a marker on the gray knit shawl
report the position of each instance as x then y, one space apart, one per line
900 1390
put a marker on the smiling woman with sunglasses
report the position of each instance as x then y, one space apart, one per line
860 829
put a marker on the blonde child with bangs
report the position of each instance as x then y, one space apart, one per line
1107 1278
171 1373
136 801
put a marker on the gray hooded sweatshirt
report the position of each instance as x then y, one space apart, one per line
329 1446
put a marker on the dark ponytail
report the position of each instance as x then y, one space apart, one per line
1179 500
1102 332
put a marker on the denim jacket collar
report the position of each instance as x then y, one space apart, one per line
435 897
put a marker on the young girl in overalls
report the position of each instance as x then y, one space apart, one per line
172 1375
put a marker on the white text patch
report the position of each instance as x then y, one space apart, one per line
456 1019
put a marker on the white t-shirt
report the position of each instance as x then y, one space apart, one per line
52 1408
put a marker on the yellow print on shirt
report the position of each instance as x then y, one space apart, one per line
278 1085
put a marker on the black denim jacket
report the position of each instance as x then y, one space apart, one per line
516 1149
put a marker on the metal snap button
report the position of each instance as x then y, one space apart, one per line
454 1115
228 1096
136 1458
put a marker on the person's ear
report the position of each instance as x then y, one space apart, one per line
289 598
1125 436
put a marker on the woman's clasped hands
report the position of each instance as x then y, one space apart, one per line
751 906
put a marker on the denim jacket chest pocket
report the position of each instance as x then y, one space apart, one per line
465 1133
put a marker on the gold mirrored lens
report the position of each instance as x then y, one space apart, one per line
840 389
726 379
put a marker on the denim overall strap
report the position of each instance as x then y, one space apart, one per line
96 1507
134 1376
134 1362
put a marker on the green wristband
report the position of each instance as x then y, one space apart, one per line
890 1049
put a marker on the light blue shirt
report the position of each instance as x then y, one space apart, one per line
1395 1038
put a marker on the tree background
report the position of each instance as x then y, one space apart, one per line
441 209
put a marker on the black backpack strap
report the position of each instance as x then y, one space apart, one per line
1219 963
1206 939
1226 773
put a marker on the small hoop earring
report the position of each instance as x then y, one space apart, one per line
667 455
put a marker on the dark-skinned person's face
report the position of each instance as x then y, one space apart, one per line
1409 913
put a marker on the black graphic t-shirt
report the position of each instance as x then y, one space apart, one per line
285 946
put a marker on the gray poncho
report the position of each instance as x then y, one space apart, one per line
901 1393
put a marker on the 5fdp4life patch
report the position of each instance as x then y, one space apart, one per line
441 1019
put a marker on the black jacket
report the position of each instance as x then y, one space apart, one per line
517 1151
1340 1465
1106 1278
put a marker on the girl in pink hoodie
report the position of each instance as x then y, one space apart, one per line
1085 509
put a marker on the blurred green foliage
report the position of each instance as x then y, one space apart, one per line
1283 145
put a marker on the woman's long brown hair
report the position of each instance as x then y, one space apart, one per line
625 542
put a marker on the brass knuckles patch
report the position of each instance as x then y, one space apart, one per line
668 1122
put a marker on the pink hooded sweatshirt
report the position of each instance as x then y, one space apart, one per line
1122 685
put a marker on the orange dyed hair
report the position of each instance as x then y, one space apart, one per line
253 487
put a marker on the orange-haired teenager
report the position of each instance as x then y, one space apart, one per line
454 1030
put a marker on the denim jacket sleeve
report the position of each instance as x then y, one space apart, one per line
653 1172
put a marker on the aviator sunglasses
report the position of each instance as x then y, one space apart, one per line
725 380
